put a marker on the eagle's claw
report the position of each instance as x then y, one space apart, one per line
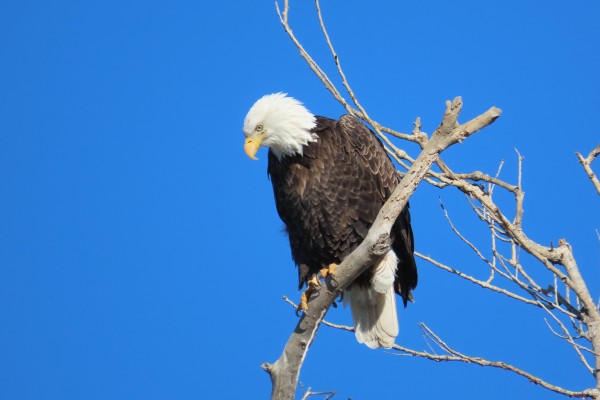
329 270
311 287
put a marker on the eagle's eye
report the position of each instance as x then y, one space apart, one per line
258 128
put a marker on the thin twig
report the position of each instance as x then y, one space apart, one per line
569 338
481 283
456 356
308 393
519 194
461 236
363 113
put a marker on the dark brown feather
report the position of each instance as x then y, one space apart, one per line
329 197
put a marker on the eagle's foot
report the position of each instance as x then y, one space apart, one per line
311 287
329 270
303 306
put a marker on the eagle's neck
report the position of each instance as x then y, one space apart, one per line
292 142
290 130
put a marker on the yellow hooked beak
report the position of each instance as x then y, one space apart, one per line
252 144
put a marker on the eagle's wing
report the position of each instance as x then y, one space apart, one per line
376 181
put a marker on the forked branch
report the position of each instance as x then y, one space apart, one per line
587 162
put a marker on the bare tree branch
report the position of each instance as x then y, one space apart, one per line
454 355
483 284
308 393
586 163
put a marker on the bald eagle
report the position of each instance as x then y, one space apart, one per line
330 179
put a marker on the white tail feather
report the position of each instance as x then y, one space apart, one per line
374 315
374 307
384 273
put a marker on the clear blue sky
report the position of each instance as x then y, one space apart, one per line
141 256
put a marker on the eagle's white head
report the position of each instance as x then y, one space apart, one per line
279 122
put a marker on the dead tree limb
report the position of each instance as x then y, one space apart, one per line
586 163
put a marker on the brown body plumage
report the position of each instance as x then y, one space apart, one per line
328 198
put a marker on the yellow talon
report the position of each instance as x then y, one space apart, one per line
313 282
311 287
332 268
329 270
303 306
